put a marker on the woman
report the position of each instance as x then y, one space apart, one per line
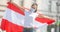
30 23
29 19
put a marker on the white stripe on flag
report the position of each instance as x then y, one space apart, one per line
14 17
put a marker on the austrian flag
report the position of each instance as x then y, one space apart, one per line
13 20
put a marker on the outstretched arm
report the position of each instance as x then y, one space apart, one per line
21 7
40 15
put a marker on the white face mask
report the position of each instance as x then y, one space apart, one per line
32 10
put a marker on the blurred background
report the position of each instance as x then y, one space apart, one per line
50 8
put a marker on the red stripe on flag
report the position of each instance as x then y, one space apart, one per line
10 27
15 8
44 20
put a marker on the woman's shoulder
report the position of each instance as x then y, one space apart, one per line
38 12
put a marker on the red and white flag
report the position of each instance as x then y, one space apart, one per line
13 19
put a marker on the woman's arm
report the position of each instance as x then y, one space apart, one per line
20 7
40 15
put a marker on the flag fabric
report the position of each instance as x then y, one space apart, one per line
41 20
44 23
45 20
13 19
